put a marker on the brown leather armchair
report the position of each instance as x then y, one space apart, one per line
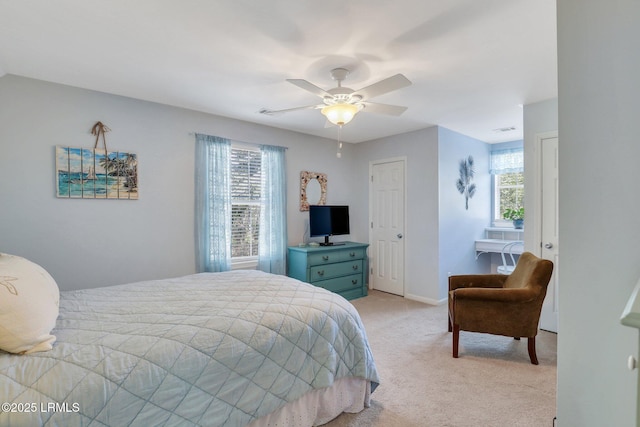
501 305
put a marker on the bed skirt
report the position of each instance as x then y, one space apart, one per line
319 407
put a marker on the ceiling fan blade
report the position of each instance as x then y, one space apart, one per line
287 110
384 86
391 110
310 87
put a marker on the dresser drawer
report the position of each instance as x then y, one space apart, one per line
329 257
329 271
341 268
343 283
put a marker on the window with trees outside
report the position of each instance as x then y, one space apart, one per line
509 193
507 168
246 194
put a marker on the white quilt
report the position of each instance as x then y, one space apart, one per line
211 349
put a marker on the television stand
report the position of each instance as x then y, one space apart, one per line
340 269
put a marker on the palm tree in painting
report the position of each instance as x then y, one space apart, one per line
124 167
130 168
463 183
109 164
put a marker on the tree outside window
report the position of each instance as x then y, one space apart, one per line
509 193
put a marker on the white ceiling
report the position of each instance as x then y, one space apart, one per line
473 63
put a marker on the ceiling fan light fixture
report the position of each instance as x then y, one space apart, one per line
340 114
341 104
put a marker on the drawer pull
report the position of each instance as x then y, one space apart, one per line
354 281
325 257
354 266
321 273
352 254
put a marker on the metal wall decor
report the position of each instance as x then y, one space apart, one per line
464 184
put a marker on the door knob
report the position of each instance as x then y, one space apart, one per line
548 245
399 235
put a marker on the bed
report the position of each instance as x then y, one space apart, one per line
214 349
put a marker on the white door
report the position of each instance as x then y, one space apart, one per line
387 226
549 239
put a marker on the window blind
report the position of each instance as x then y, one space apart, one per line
246 194
246 177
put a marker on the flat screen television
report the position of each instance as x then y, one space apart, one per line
327 221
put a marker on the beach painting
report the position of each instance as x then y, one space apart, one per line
91 173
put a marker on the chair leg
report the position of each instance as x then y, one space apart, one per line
456 337
449 323
532 350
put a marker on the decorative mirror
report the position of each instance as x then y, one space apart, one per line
313 186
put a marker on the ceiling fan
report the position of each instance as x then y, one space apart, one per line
341 104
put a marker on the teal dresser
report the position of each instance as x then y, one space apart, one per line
339 268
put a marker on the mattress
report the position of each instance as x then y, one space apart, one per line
211 349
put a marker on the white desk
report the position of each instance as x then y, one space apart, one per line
496 238
484 246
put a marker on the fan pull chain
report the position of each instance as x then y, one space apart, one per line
339 153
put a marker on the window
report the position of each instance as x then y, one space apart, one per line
240 206
509 192
246 194
507 168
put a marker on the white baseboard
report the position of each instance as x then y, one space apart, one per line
425 300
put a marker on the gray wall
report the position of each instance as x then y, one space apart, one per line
598 108
439 232
421 227
540 118
458 227
88 243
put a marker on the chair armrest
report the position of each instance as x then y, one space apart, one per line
515 295
477 281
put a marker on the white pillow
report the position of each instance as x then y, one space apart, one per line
29 300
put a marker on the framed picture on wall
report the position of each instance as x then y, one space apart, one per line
91 173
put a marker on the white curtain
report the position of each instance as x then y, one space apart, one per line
272 250
213 203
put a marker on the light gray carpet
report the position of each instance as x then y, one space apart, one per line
492 384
